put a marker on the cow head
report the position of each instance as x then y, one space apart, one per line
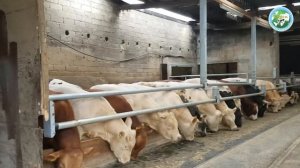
166 125
275 105
284 99
61 86
233 104
249 108
188 129
123 142
213 121
68 158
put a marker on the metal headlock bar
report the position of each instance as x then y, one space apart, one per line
114 93
51 126
210 75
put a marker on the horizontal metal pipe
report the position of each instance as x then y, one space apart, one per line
112 93
229 74
278 88
75 123
264 77
293 86
228 84
241 96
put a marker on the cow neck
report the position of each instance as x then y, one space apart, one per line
192 109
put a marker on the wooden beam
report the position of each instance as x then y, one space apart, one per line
168 4
260 21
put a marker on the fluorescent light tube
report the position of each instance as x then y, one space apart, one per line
270 7
171 14
296 4
231 10
133 2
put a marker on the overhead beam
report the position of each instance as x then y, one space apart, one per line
168 4
218 27
260 21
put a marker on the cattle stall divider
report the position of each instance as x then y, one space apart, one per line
50 126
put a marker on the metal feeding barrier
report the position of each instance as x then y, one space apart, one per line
209 75
51 126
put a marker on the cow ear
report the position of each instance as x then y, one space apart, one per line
195 120
162 115
87 150
122 134
52 157
128 122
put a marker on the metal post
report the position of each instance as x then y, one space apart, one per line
216 94
203 42
49 125
292 78
253 50
275 76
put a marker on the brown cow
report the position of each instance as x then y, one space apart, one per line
69 153
120 104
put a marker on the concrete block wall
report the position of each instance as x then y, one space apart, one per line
235 46
25 150
7 147
100 29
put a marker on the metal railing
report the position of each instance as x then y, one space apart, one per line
208 75
50 126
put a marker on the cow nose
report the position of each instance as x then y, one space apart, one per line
179 137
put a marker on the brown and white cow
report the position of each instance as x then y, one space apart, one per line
212 117
120 104
66 142
163 122
117 133
253 107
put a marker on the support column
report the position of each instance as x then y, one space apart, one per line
253 50
203 42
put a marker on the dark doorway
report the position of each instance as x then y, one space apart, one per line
289 59
177 71
221 68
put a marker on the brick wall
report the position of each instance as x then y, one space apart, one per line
100 29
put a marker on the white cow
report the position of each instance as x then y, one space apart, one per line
228 114
186 122
117 133
163 122
213 116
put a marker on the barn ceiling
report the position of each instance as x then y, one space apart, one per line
217 16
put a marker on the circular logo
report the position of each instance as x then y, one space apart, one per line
281 19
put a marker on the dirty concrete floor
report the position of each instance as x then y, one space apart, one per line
190 154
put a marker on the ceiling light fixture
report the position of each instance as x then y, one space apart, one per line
171 14
296 4
231 10
133 2
270 7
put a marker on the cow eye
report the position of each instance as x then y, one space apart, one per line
60 83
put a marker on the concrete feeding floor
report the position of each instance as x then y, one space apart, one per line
257 144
